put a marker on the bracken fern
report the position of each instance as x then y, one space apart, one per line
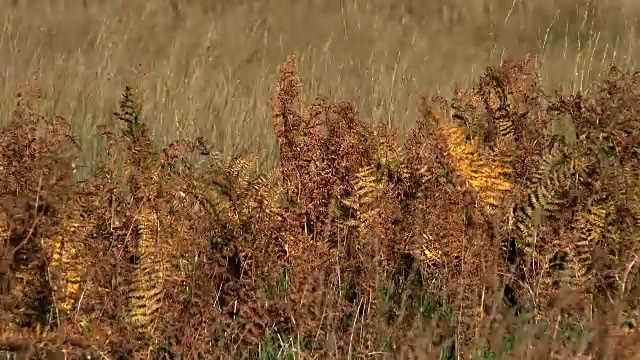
66 266
352 245
485 178
146 289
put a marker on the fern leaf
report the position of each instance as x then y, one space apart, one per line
65 266
365 187
500 106
487 179
428 252
543 200
146 290
592 225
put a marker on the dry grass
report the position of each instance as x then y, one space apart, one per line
493 220
208 68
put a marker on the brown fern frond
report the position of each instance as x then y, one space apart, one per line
6 259
429 252
289 125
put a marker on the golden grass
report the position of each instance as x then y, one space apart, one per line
207 69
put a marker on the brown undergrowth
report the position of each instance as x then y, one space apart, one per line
505 226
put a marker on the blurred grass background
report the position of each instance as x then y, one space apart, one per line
208 67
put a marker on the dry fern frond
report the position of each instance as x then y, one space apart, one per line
487 179
428 252
388 157
229 188
66 268
592 226
146 290
5 253
365 191
498 100
543 201
501 103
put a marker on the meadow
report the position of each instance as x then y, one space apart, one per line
314 179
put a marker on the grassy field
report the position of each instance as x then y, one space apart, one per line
502 223
209 69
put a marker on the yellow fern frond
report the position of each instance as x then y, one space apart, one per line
592 225
240 170
223 206
428 252
487 179
361 202
4 228
65 268
234 187
147 286
389 159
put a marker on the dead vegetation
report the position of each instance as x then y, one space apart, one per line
505 226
